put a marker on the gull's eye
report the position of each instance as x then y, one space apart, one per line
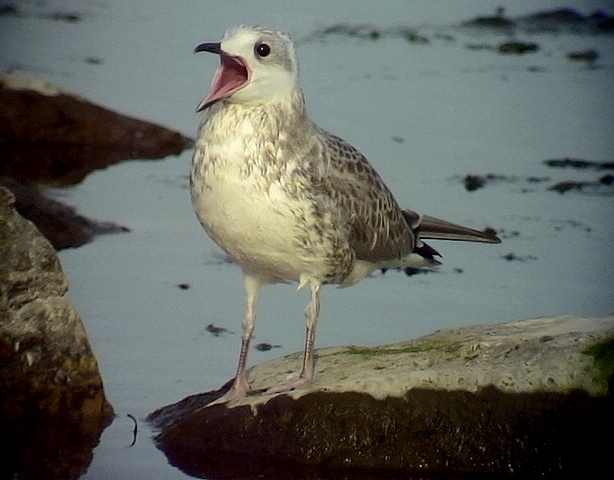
262 49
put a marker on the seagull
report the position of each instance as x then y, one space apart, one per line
289 201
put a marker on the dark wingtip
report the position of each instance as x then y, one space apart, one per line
491 233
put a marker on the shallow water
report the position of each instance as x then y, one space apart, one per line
451 110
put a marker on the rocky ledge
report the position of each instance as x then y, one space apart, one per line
52 404
529 397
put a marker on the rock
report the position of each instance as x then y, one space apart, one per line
589 56
517 48
53 407
578 164
607 179
474 182
368 32
11 9
497 22
532 397
564 20
69 137
58 222
602 186
512 257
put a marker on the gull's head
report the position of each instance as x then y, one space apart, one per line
257 66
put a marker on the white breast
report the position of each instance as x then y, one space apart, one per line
239 191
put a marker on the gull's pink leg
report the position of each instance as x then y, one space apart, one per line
312 313
240 387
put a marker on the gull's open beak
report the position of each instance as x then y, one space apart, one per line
231 75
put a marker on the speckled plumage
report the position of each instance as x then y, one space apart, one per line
288 201
340 208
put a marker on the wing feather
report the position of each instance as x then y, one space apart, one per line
378 229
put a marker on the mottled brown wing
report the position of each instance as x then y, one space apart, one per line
378 229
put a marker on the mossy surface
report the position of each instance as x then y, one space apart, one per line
439 345
603 361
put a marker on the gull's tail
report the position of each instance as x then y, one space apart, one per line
428 227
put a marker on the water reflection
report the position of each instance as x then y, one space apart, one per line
67 140
41 444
